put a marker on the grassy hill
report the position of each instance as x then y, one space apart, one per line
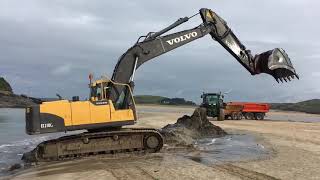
4 85
309 106
148 99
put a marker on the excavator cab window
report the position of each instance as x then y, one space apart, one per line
99 92
106 92
96 92
120 100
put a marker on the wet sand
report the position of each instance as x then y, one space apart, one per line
294 154
296 146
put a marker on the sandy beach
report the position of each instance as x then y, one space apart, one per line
293 148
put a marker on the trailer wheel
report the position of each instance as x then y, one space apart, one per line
234 116
249 116
240 116
245 115
259 116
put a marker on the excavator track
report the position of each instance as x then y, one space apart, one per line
90 144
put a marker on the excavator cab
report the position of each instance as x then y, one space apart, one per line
99 90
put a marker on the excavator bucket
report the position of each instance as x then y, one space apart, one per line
276 63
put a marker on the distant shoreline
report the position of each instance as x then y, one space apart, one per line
14 101
309 107
165 105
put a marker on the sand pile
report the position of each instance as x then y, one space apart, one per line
189 128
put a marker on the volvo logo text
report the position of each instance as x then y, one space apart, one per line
182 38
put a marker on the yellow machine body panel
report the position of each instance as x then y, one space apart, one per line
67 115
80 112
120 115
100 113
61 109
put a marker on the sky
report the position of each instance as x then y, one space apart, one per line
51 46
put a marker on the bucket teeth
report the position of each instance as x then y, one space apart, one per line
276 63
284 75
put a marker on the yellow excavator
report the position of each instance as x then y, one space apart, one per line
111 104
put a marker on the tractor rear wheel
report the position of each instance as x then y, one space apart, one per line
221 115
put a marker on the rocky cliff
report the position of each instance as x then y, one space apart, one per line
5 87
9 100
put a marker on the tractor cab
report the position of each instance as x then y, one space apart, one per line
213 102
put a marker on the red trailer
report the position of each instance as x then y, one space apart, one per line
249 110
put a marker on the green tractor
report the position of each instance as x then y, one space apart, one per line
213 102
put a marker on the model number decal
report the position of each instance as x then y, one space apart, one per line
47 125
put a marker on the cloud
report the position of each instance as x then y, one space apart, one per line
62 70
83 20
316 74
63 41
313 56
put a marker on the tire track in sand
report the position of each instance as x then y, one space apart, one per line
243 173
131 173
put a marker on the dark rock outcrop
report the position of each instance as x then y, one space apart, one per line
5 87
9 100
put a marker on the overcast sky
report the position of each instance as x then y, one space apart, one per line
50 46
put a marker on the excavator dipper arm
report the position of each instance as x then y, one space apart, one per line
274 62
